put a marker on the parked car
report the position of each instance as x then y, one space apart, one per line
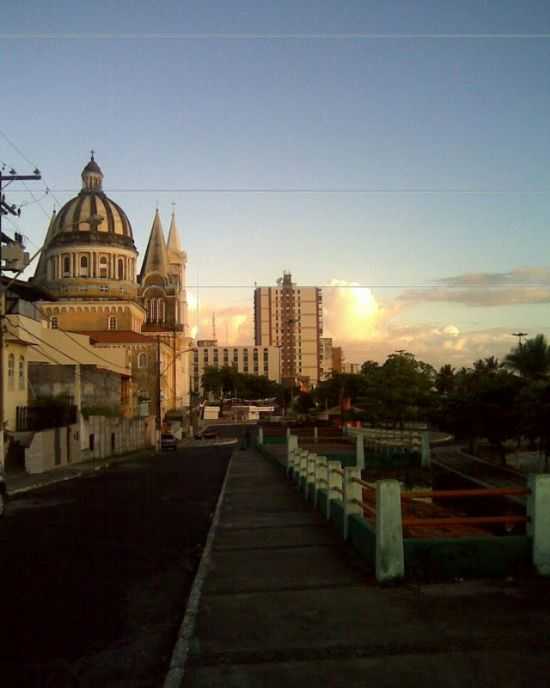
3 494
168 441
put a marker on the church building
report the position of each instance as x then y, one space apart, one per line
89 263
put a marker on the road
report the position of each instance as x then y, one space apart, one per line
95 572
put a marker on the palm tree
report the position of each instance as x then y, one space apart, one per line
531 360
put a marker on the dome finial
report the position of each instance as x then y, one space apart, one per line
92 176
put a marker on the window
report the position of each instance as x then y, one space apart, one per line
54 323
11 370
103 267
120 269
112 323
66 266
84 266
21 372
142 360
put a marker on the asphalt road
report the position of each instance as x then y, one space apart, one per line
95 572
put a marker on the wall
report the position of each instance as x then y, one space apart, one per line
99 388
58 447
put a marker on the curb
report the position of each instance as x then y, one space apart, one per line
81 473
176 670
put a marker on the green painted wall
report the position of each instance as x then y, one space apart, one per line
362 536
467 557
337 515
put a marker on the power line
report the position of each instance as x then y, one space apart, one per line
30 162
266 36
313 190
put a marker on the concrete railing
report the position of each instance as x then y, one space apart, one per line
343 489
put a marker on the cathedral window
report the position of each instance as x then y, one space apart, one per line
84 266
66 266
113 323
54 323
142 360
103 267
120 269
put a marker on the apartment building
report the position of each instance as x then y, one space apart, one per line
290 317
325 367
253 360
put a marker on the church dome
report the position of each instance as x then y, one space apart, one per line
92 215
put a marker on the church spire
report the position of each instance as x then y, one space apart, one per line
174 242
156 255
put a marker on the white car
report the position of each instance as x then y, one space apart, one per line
3 494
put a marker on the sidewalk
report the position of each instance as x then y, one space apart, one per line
286 603
23 482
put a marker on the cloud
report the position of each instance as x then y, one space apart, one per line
518 287
234 325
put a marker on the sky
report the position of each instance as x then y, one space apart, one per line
401 147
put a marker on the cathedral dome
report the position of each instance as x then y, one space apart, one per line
89 250
91 216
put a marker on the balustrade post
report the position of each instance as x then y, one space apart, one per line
390 557
320 478
425 449
334 483
291 444
538 509
359 451
353 493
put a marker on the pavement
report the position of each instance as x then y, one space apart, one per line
286 603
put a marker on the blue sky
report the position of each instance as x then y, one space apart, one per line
447 138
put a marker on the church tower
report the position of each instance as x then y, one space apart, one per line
177 266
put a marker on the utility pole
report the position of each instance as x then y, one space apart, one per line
16 260
159 405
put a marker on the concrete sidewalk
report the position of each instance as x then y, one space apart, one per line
286 603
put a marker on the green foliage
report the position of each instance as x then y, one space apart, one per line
228 382
531 359
108 411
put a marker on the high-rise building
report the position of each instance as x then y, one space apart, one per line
290 316
337 359
251 360
325 368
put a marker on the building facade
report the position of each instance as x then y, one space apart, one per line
89 265
252 360
290 317
325 366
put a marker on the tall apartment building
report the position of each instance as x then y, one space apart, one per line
325 369
337 359
254 360
290 317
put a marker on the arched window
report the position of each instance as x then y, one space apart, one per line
103 267
142 360
11 370
120 269
84 266
54 323
66 266
21 372
113 323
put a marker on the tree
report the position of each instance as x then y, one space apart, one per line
531 359
445 380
